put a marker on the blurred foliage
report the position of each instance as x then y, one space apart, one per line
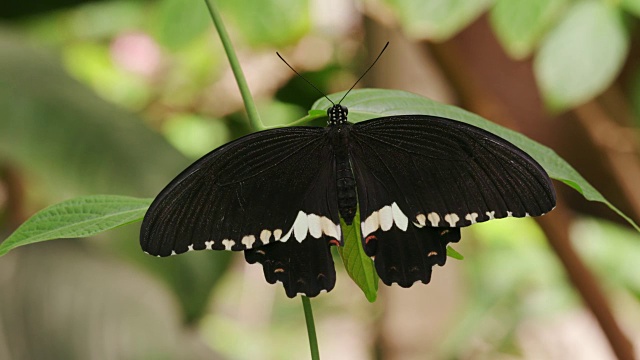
579 46
519 25
268 23
436 19
533 286
582 55
116 96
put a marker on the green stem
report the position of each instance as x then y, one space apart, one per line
254 118
311 328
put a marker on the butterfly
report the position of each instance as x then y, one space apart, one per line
279 195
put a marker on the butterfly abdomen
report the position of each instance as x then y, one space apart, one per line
345 181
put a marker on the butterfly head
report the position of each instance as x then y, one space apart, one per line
337 114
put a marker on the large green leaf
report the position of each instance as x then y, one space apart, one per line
436 19
582 55
79 217
359 266
371 103
519 24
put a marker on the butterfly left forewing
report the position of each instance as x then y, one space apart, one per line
274 186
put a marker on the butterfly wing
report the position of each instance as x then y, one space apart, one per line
418 175
275 186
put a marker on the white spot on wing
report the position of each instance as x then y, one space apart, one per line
329 228
248 241
228 244
472 217
452 219
491 214
265 235
385 216
401 220
300 226
315 226
371 224
434 219
208 244
422 220
173 252
509 214
190 247
277 234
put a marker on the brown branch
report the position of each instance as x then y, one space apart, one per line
618 147
14 193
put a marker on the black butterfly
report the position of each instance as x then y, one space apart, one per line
279 194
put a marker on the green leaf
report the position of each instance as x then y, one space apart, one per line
181 22
519 24
633 6
276 22
451 252
436 19
371 103
359 266
582 55
195 135
80 217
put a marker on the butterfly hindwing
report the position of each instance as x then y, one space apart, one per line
407 256
275 186
303 268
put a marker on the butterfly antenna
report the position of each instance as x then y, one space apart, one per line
303 78
365 73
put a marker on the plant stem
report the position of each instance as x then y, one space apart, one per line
311 328
254 118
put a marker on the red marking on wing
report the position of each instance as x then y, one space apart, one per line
369 238
334 242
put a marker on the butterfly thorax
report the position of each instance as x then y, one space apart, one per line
337 115
345 181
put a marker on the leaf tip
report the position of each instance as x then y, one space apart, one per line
451 252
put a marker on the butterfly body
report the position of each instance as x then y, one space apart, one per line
345 181
279 196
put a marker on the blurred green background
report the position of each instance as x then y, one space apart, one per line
117 97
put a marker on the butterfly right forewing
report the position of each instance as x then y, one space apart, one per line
420 178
